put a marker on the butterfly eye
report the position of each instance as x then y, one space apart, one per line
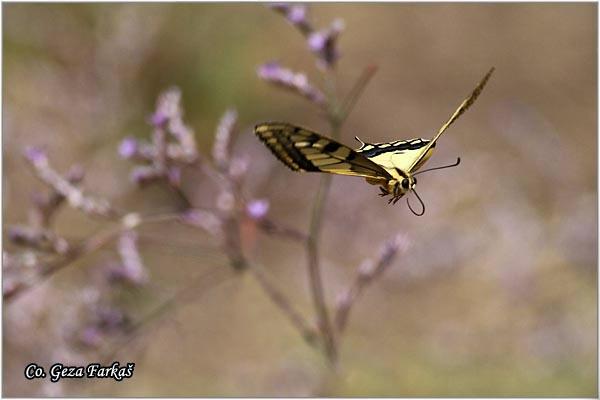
405 183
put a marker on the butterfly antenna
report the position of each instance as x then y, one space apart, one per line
442 167
420 201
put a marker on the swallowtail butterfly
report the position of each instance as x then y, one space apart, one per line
392 165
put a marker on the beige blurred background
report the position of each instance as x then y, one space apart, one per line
496 296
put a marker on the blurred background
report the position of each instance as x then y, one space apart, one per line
497 294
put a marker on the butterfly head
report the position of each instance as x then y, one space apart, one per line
398 188
408 183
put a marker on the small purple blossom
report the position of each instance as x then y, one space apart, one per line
296 14
324 43
221 147
174 176
184 136
64 186
75 174
90 337
172 140
144 175
110 318
158 119
257 209
269 71
206 220
133 270
225 201
128 147
274 73
36 155
167 107
238 168
39 239
316 41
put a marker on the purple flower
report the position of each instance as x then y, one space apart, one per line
238 168
144 174
75 174
296 14
206 220
225 201
39 239
324 43
90 337
128 147
269 71
133 269
159 118
274 73
168 105
317 41
174 176
36 155
257 209
221 147
110 318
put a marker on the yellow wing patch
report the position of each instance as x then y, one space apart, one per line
398 155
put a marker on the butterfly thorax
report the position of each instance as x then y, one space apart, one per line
398 188
396 158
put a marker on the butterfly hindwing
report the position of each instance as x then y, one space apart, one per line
303 150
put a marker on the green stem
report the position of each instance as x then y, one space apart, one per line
314 269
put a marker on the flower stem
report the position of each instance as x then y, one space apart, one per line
356 91
314 269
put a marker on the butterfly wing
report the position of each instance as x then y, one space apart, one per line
399 154
303 150
468 102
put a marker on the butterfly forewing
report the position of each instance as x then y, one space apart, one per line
464 106
303 150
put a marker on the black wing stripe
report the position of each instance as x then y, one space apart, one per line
303 150
380 148
282 146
